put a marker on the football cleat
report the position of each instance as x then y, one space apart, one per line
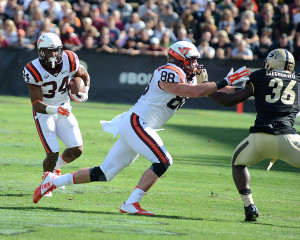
134 208
251 213
48 194
58 174
46 186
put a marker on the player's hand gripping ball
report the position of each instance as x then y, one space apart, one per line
76 89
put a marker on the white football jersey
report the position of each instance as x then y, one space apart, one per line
53 83
157 106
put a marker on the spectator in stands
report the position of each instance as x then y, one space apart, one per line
276 8
266 19
130 47
262 49
10 31
248 14
226 19
71 17
48 6
220 53
295 11
226 4
169 16
296 46
103 11
182 35
97 21
223 42
48 26
130 33
3 41
237 37
38 17
136 23
155 49
248 34
209 25
149 26
114 32
90 32
200 5
143 40
187 19
245 5
205 50
283 42
125 10
166 40
23 42
84 10
242 52
117 15
32 34
69 39
19 20
148 10
105 45
10 9
161 28
285 26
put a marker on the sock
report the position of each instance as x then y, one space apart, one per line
60 162
63 180
135 196
246 196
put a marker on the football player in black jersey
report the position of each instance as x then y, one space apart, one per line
275 90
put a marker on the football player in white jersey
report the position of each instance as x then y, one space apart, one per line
168 89
48 78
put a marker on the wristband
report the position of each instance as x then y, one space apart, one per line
87 89
221 84
51 109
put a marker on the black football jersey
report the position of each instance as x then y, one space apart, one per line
276 101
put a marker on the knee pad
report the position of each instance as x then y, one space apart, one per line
159 168
96 175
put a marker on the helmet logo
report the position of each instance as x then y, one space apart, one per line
184 50
40 40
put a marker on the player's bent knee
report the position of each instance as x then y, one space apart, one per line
159 168
96 175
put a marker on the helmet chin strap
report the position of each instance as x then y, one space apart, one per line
52 60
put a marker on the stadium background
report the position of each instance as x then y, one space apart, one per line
117 78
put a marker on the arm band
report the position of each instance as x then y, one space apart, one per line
35 101
221 84
85 75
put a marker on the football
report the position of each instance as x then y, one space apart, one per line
76 85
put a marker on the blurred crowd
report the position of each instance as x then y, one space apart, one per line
237 29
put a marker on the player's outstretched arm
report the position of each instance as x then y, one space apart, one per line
231 99
83 73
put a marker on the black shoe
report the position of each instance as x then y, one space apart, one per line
251 213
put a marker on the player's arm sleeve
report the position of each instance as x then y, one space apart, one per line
31 76
231 99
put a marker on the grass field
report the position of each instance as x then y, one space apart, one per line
195 199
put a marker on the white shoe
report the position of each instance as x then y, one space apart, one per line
48 194
134 208
58 173
46 186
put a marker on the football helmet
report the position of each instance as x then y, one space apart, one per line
49 48
280 59
183 54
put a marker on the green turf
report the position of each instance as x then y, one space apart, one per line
195 199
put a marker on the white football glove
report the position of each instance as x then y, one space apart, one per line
83 96
64 111
201 75
240 75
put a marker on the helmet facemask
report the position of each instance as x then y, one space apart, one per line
48 58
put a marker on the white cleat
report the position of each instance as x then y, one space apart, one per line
58 173
134 208
46 186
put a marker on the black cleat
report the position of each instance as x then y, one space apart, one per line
251 213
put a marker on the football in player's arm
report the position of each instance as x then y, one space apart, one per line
273 136
48 77
170 86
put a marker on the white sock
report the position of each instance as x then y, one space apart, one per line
135 196
60 162
63 180
248 200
